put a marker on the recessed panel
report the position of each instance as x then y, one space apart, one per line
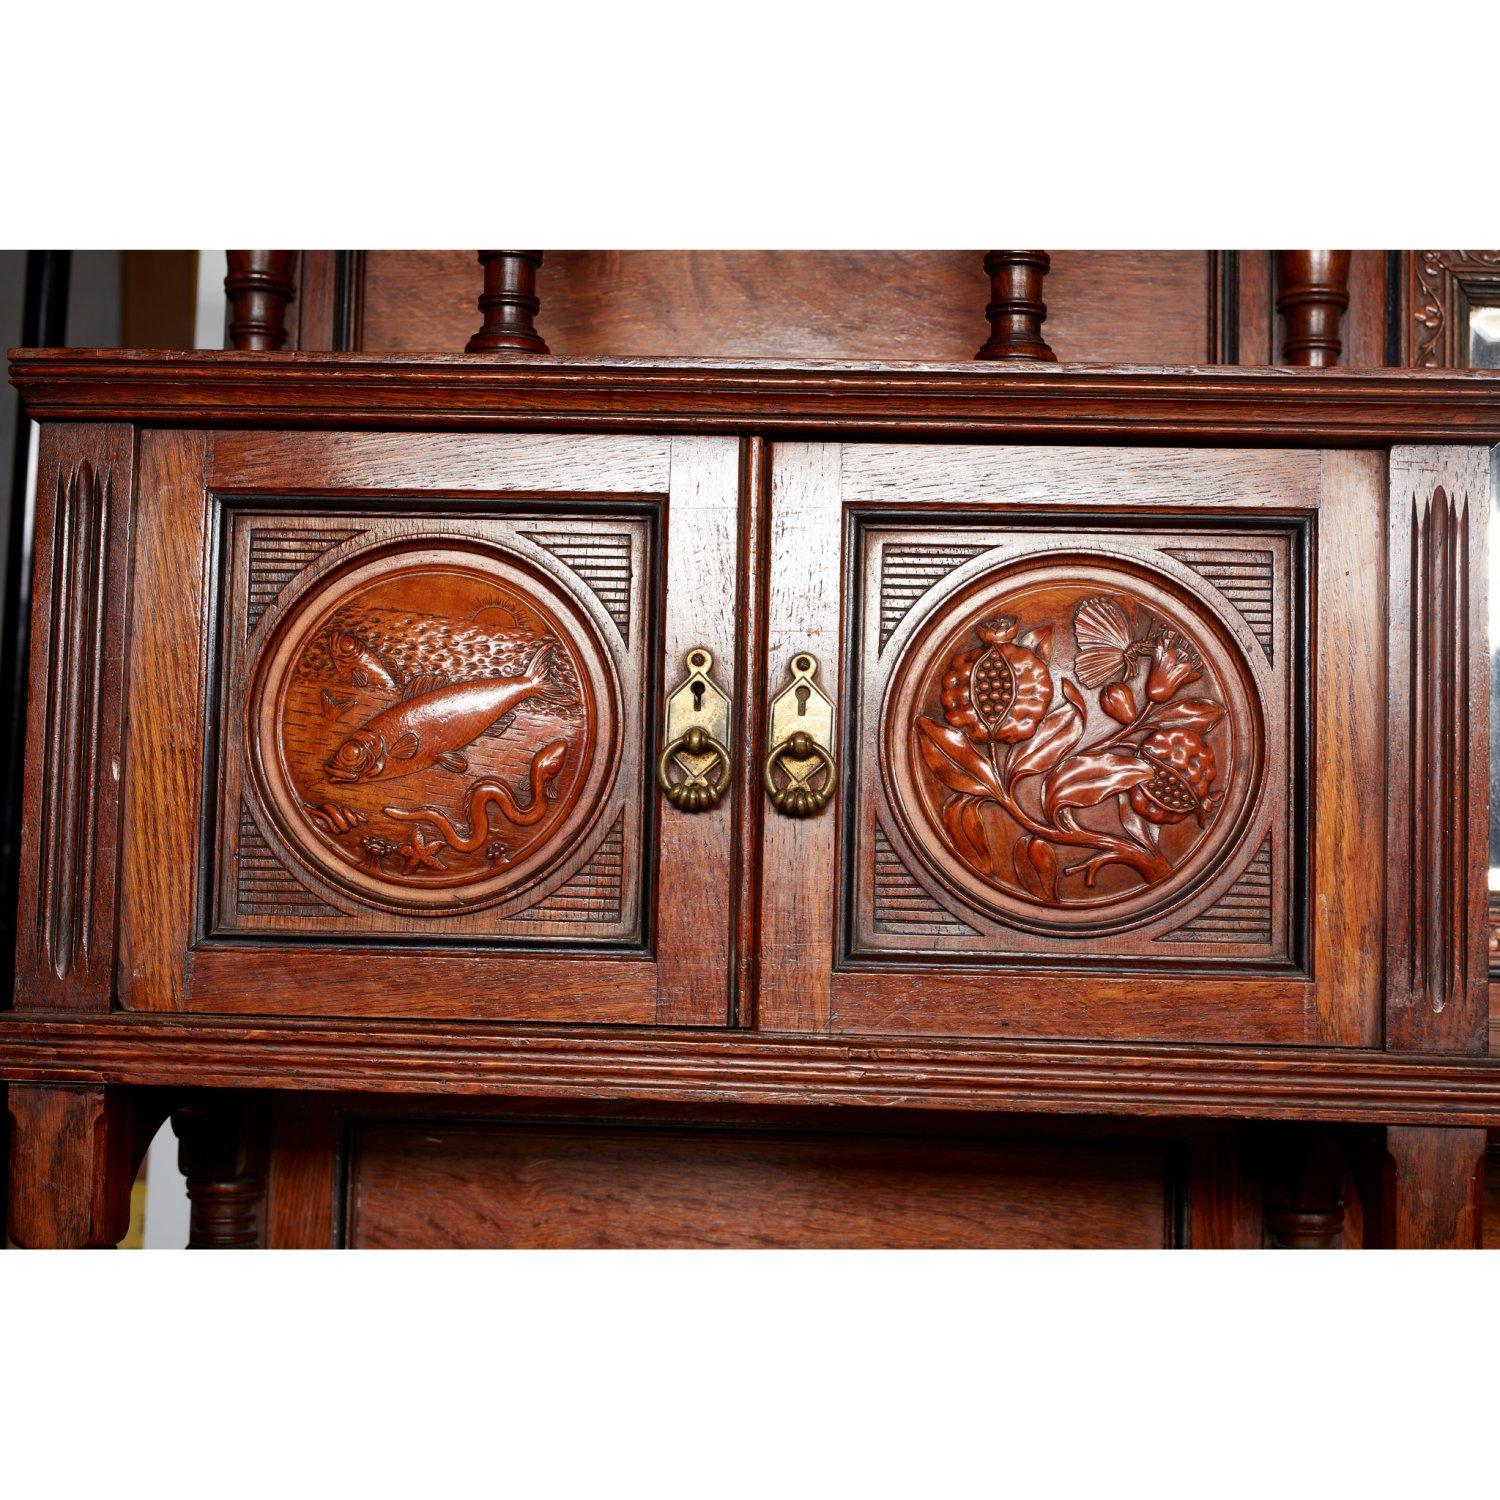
424 724
1079 743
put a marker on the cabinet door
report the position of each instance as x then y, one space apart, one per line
394 702
1107 719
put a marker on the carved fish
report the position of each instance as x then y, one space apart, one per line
355 662
432 725
408 645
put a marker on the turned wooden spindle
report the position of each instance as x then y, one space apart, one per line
220 1154
1312 293
1016 310
1305 1192
509 303
259 286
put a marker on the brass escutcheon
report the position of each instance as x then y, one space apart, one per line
800 772
697 724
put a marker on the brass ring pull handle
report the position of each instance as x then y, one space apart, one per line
800 759
694 769
698 792
800 773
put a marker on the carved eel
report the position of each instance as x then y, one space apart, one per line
545 764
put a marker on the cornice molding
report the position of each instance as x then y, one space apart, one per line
1244 405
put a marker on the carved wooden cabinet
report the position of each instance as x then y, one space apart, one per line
691 735
1090 696
407 761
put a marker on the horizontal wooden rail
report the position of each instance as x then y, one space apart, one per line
752 1068
977 400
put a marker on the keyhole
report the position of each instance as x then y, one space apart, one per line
697 697
803 694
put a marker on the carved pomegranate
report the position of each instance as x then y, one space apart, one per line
1183 773
1073 741
1000 693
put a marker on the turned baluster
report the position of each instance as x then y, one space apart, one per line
1305 1192
509 303
1312 293
1016 310
220 1153
259 286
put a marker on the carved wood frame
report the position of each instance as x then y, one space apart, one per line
170 962
1441 286
817 491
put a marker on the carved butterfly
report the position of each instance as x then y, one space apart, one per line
1106 648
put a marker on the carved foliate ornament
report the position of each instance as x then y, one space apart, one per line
429 728
1072 745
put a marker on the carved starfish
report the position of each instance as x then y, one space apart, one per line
419 853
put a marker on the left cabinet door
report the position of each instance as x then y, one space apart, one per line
394 703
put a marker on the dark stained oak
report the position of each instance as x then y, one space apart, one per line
1437 840
75 726
702 1067
221 1154
1016 310
1137 307
446 1185
364 660
74 1152
1312 293
436 727
974 400
1433 1188
259 287
987 778
509 304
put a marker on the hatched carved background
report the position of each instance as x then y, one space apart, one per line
423 726
1076 738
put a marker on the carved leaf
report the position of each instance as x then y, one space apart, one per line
1057 734
954 761
966 829
1189 713
1026 872
1142 830
1039 640
1036 867
1091 778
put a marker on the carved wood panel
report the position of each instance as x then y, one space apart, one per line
1080 744
1438 812
424 719
65 918
394 717
1106 718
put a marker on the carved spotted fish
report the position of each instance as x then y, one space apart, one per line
432 725
355 662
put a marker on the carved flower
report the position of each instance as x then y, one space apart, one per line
1183 770
1174 661
1000 692
1119 702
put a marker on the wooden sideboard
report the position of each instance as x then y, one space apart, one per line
735 802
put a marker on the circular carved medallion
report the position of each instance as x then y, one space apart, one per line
433 727
1072 744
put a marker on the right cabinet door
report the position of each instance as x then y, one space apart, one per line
1108 743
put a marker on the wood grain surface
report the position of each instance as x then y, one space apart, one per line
974 400
445 1185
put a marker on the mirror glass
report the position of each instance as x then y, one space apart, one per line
1494 569
1484 338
